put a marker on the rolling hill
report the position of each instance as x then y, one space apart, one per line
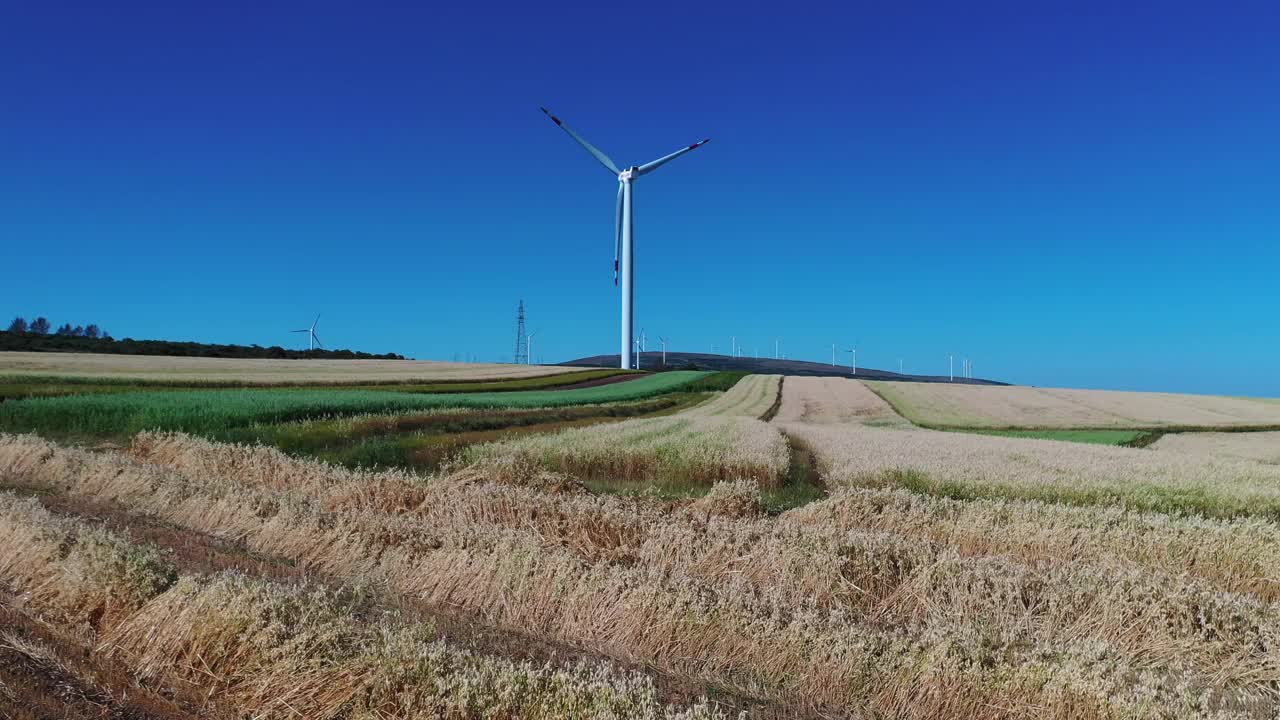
652 360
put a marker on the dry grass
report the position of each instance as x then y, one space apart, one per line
984 406
872 601
719 440
974 466
1262 447
838 401
273 650
84 574
205 370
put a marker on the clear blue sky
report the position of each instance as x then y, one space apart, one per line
1073 194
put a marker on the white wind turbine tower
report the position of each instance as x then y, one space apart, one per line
311 334
624 226
733 346
664 350
833 354
528 344
952 358
853 359
776 343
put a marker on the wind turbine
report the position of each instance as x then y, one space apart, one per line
624 226
664 350
311 334
775 348
529 347
853 359
952 358
833 354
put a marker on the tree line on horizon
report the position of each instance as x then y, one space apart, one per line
39 336
42 326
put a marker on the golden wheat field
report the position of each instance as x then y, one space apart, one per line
940 575
1260 446
987 406
210 370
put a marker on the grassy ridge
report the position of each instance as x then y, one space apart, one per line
208 412
1094 437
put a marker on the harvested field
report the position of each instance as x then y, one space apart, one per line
875 603
198 370
1261 447
983 406
826 400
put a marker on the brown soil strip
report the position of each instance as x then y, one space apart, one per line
597 382
198 553
45 674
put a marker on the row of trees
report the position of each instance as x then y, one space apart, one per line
38 336
42 326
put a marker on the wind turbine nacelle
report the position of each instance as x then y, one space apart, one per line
627 175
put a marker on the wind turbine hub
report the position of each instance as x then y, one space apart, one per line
627 175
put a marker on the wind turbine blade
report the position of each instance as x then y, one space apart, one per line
617 236
313 322
604 159
302 330
317 339
649 167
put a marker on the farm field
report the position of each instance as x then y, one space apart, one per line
1096 437
198 370
620 556
1013 407
721 439
825 400
213 411
1260 446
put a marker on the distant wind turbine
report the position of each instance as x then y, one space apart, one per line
312 337
952 358
853 359
624 225
529 347
663 340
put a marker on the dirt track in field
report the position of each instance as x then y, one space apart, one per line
46 673
193 552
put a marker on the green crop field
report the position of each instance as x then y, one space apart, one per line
213 411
